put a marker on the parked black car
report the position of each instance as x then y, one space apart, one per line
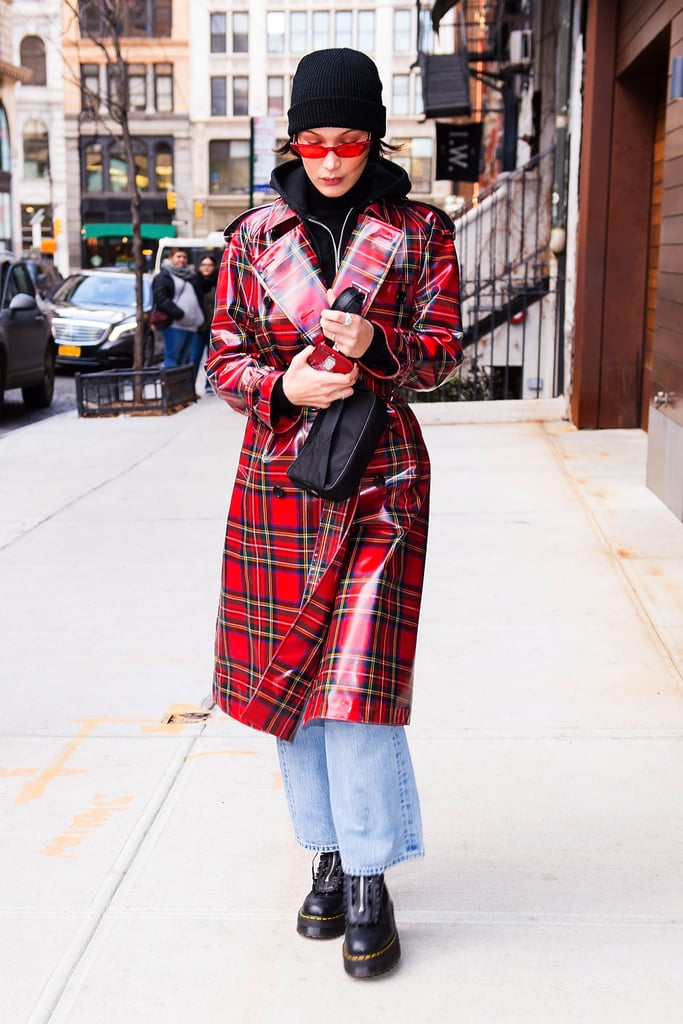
93 320
27 351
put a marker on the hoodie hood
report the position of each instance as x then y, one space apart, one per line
381 179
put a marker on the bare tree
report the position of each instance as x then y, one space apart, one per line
104 23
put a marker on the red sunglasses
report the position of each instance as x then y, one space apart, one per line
314 151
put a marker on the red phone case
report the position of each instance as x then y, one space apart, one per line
326 358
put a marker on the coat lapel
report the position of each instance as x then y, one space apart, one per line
288 269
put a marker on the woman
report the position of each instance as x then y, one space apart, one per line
176 293
319 605
207 279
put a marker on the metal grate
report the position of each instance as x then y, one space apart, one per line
153 391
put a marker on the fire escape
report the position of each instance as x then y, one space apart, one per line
511 287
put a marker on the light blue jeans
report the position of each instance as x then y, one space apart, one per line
351 788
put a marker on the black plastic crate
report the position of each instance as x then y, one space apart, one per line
153 391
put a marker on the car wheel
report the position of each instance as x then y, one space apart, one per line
40 395
148 349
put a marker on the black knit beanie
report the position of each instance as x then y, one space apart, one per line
337 88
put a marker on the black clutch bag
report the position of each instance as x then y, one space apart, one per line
340 444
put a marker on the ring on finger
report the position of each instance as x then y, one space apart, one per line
332 338
348 320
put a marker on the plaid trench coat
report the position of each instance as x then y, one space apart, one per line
320 601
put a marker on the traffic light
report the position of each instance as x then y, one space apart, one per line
170 200
57 226
198 209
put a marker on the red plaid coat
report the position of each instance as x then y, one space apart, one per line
320 601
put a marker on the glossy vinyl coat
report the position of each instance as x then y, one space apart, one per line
320 601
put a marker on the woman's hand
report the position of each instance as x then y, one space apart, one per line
305 386
348 332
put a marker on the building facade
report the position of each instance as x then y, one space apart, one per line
244 56
11 73
40 198
154 46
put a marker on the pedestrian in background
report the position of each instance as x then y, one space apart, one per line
208 276
319 605
177 294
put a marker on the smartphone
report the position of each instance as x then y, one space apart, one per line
326 358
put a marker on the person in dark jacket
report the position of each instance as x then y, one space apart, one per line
320 600
176 292
207 278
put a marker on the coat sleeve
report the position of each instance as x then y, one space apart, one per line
236 372
428 352
162 294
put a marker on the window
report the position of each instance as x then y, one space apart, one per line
276 95
5 158
32 56
149 18
163 88
240 32
400 95
415 157
321 30
137 86
343 28
116 86
163 167
217 25
219 96
240 96
402 31
90 87
18 283
366 31
36 150
118 170
94 169
419 103
141 160
228 167
298 32
275 32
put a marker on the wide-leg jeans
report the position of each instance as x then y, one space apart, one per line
351 787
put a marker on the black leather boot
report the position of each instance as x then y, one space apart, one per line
371 945
322 913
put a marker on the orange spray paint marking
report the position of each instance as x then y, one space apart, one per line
177 718
83 824
35 789
12 773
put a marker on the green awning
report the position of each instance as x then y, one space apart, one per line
126 230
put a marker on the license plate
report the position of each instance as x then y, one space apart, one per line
69 350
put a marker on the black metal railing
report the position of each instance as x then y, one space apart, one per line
509 290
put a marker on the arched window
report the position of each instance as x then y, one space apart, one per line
36 150
4 140
32 56
163 167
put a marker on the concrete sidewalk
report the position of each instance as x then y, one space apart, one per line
149 871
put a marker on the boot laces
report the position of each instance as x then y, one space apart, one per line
329 875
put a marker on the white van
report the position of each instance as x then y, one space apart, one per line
213 244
